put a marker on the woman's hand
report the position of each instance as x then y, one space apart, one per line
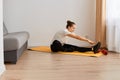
91 42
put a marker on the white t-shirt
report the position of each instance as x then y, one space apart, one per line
61 36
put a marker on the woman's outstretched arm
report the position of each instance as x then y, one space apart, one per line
80 38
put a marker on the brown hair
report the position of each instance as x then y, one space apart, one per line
69 23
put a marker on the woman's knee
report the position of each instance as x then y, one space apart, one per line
56 46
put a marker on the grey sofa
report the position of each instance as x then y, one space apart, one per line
14 44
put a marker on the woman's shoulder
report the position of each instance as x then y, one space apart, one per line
65 31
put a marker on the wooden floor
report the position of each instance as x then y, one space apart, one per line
45 66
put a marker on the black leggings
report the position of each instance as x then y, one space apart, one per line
57 46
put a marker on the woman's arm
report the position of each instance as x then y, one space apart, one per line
80 38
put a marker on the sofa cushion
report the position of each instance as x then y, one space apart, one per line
14 41
5 31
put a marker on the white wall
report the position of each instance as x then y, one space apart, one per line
2 67
42 18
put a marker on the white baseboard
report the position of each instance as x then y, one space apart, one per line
2 69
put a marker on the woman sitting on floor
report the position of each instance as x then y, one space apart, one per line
59 41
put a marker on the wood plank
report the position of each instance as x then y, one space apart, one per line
45 66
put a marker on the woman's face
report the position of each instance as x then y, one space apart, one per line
72 28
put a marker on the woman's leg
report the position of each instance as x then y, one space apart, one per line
56 46
71 48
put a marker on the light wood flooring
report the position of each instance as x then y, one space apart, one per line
45 66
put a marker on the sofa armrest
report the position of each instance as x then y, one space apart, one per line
14 41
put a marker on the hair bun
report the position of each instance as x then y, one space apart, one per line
68 21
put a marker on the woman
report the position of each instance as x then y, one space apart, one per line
59 40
